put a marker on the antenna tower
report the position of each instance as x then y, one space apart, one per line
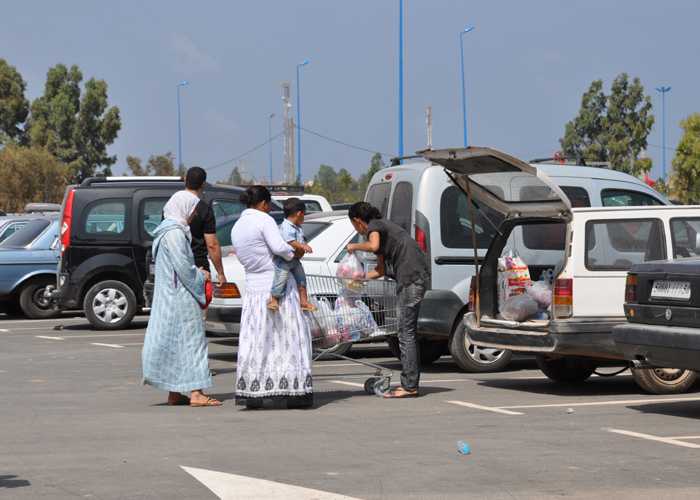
429 121
288 135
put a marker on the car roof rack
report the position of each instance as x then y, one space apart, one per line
580 160
42 207
397 161
138 178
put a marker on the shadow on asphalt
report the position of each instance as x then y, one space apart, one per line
87 327
680 409
11 482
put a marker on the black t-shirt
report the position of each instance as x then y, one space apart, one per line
402 256
203 223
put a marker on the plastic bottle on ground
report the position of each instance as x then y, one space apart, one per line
463 447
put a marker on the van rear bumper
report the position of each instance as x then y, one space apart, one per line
566 338
438 312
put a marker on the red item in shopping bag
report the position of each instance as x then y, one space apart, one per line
208 293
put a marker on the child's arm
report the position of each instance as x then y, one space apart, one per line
300 246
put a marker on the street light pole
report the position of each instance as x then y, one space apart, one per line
663 91
299 125
464 100
179 130
401 79
270 123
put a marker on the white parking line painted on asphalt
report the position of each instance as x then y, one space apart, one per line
487 408
686 437
354 384
234 487
597 403
50 338
3 330
655 438
106 345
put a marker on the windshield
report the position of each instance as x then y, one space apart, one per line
26 235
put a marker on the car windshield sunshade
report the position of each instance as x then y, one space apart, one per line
26 235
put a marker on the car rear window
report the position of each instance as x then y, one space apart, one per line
27 234
685 234
614 245
544 236
401 206
455 221
378 196
621 198
226 207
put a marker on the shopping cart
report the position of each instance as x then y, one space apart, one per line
349 311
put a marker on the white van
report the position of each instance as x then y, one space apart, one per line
421 198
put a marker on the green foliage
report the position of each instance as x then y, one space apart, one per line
341 187
685 177
234 179
612 128
157 165
30 174
75 127
14 107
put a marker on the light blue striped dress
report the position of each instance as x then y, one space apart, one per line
175 355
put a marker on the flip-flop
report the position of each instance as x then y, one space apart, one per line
308 306
392 394
184 400
273 307
209 402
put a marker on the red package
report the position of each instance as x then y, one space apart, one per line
208 293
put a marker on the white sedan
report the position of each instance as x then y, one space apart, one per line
327 233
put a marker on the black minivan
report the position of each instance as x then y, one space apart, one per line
107 227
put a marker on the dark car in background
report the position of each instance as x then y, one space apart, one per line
106 228
662 307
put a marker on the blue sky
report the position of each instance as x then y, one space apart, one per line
527 65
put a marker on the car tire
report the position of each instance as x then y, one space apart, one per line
473 358
12 308
340 350
430 349
665 380
110 305
567 369
33 302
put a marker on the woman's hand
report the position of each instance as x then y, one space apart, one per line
206 274
351 247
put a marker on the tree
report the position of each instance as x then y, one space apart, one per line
327 178
612 128
76 128
234 179
345 180
134 164
30 174
14 107
162 164
685 177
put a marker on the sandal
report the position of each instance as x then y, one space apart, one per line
308 306
404 394
208 402
182 400
274 307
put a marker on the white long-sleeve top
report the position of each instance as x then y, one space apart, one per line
257 239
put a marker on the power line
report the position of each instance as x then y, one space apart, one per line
660 147
344 143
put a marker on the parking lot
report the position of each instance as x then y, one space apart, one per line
76 423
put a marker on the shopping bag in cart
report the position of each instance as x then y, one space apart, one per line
351 269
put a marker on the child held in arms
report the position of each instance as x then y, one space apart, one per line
294 211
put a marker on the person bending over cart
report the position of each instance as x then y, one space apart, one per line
399 257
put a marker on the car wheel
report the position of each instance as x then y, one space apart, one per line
340 350
566 369
665 380
430 349
33 302
110 305
11 308
473 358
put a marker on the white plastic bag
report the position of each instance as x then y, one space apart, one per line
513 276
541 291
518 307
351 270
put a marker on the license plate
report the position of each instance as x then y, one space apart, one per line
152 269
679 290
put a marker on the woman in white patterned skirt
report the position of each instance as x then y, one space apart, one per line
274 347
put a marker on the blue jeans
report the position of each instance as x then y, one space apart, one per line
408 305
282 270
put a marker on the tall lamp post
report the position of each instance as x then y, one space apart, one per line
179 131
299 124
464 100
663 91
270 123
401 79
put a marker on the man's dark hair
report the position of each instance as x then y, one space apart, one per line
195 177
292 206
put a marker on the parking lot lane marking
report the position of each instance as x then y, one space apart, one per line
598 403
50 338
487 408
233 487
685 437
106 345
3 330
655 438
354 384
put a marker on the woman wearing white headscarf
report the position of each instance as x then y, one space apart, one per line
175 354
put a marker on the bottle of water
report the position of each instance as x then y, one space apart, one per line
463 447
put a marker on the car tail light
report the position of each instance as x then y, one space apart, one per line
471 307
421 240
631 288
66 222
563 297
228 291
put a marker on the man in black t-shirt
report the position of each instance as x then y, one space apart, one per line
203 227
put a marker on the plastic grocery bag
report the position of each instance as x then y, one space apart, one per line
518 307
365 322
353 269
541 291
513 276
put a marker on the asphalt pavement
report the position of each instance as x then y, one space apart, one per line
77 423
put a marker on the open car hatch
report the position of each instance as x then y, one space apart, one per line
505 183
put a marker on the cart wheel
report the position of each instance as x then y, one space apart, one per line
381 387
369 385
